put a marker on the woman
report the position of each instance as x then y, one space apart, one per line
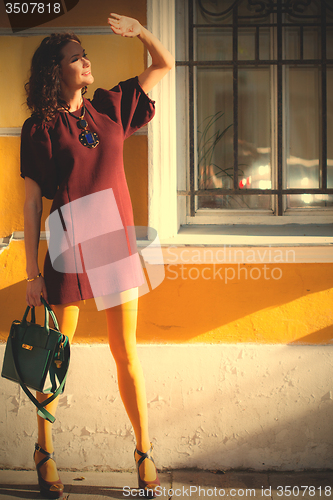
71 149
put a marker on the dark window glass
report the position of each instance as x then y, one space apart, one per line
260 78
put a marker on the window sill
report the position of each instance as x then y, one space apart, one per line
201 246
255 235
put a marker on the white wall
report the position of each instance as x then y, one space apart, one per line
211 406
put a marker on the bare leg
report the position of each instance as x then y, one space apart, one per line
67 316
121 322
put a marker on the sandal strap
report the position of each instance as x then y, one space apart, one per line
143 456
45 459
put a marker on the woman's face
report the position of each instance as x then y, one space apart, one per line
75 67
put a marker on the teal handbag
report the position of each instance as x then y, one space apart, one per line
37 355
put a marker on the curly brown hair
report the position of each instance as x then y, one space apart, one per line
43 87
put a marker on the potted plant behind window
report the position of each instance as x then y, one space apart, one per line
211 175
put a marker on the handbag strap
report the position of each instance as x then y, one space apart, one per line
42 412
49 312
33 317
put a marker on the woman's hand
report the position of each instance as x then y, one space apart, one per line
124 26
162 60
35 289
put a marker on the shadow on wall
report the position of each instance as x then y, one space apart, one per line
241 309
293 309
211 407
323 336
277 447
248 407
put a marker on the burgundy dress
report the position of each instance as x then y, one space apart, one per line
92 250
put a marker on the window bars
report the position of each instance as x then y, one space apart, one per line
275 17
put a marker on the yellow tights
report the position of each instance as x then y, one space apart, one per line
121 324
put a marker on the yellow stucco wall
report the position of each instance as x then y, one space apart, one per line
12 185
88 13
113 59
296 308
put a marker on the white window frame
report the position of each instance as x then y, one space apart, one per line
167 211
162 159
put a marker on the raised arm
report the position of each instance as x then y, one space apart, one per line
32 216
162 60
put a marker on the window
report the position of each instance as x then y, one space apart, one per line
254 86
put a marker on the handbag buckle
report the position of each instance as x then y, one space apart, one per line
28 347
60 354
62 343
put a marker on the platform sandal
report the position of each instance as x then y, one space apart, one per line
149 487
49 489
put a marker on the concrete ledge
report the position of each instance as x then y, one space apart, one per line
264 407
193 484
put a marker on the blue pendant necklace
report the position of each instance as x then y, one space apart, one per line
87 138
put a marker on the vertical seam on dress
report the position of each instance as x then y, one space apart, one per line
128 241
77 274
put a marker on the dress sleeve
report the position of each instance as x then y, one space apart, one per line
36 156
126 104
